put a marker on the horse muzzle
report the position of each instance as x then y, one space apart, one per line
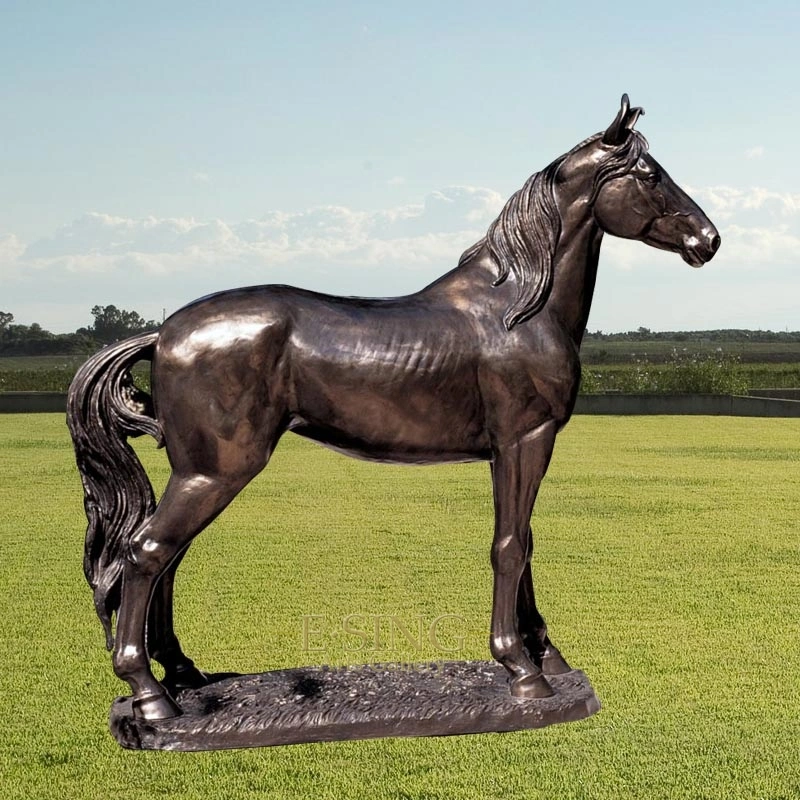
697 249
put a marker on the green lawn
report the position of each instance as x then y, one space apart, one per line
48 373
55 373
659 350
39 363
730 378
666 564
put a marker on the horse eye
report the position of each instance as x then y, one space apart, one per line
651 177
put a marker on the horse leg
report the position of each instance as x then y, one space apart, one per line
517 472
162 644
189 504
532 626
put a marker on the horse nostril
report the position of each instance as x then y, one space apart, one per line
714 243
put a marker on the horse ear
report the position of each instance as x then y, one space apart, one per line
617 131
633 115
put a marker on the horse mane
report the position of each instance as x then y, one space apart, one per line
523 238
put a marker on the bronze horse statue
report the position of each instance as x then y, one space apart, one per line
481 365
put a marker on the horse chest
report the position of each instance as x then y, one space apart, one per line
523 392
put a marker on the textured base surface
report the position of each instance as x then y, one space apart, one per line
320 704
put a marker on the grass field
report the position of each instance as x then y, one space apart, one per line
48 373
623 370
38 363
666 564
660 350
643 378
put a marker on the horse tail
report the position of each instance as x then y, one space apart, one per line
104 408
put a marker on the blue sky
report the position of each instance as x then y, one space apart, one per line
152 153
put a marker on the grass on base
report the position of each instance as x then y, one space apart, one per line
666 564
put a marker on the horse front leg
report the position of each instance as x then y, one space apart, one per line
517 472
532 626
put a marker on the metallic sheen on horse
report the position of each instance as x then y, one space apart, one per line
481 365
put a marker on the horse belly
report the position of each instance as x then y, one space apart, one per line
409 424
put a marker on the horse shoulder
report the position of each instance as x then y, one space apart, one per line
532 378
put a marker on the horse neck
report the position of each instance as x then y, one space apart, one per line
575 268
468 281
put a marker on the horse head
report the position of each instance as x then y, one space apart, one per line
633 197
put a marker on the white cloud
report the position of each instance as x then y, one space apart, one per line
754 152
420 234
201 177
727 201
106 258
626 255
11 248
758 248
760 228
151 263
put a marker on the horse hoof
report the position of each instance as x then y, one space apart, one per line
158 706
182 679
553 662
530 687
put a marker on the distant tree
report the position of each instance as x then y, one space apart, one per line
5 320
26 340
112 323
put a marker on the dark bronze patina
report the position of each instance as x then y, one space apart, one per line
480 365
323 704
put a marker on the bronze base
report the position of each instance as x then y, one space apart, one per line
322 704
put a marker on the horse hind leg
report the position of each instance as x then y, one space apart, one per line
188 505
163 646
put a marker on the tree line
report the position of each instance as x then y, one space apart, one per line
110 325
720 335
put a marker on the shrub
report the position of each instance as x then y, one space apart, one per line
684 373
